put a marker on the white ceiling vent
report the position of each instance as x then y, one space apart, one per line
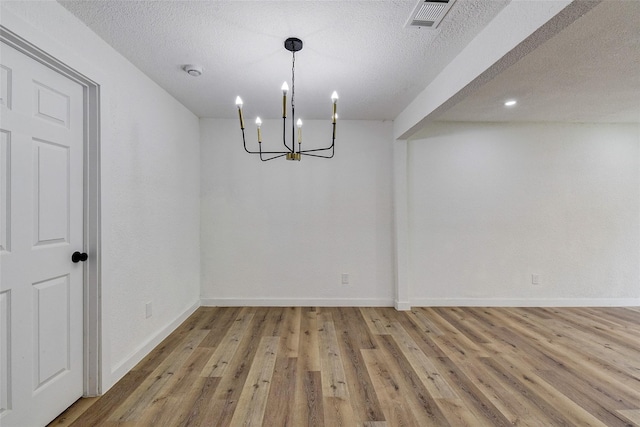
429 14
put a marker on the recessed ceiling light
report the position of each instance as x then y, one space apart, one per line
510 103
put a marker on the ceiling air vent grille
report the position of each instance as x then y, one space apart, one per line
429 14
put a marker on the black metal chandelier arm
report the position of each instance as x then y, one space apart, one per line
280 154
244 143
319 149
331 147
271 158
317 155
333 143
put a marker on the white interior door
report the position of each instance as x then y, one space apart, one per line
41 225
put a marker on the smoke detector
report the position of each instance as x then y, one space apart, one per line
429 14
193 70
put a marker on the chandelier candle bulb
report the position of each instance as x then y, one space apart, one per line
258 124
299 123
334 98
285 89
239 104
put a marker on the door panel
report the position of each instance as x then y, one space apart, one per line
5 351
50 105
5 84
5 191
50 193
51 323
41 221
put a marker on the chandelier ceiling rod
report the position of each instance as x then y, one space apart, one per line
293 45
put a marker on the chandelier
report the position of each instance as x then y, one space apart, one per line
293 45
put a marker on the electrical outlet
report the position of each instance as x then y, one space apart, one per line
345 278
149 309
535 279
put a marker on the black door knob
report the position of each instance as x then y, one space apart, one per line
79 256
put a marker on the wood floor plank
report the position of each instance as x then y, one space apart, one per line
219 324
276 321
74 412
100 410
309 408
167 346
392 400
190 371
375 367
555 343
570 409
422 365
281 401
349 320
225 351
534 409
608 341
373 321
471 395
623 315
363 396
180 383
422 404
424 336
307 405
338 412
308 345
291 335
253 399
224 403
453 342
188 409
420 317
565 376
458 414
584 399
633 415
566 353
144 398
455 318
171 404
334 380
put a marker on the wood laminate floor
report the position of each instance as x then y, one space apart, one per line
377 367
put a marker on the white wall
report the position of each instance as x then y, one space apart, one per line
282 232
492 204
150 187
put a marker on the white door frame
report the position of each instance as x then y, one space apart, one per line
92 271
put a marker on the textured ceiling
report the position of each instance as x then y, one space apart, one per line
588 72
359 48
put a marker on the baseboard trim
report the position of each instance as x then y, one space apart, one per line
526 302
124 366
296 302
402 305
421 302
